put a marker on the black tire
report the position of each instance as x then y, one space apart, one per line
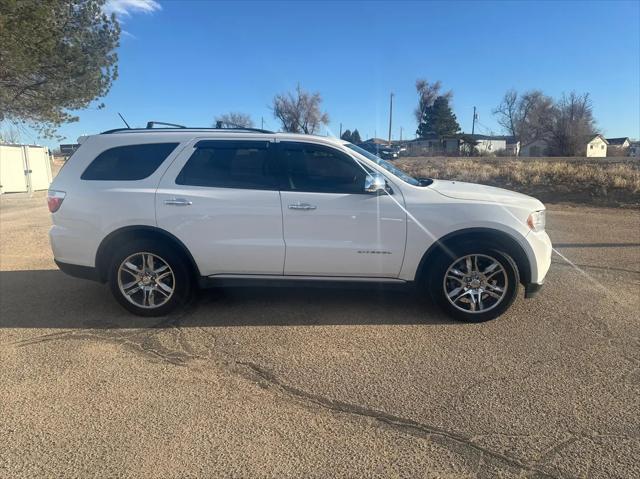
436 283
180 279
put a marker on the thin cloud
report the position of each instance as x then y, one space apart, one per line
127 34
125 8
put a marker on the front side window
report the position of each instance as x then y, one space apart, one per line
221 164
128 163
319 169
384 164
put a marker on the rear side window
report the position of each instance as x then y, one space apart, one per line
128 163
223 164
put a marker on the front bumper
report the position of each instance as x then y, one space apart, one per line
541 261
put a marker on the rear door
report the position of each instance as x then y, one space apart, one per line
221 199
331 226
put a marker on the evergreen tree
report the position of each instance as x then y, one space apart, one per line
438 119
346 135
56 57
355 137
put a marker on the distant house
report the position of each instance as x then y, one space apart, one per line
457 145
619 142
427 146
593 146
596 146
377 141
512 147
483 144
634 149
618 146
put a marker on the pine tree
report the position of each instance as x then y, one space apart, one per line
438 119
355 137
346 136
56 57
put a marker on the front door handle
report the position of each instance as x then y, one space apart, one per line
301 206
178 202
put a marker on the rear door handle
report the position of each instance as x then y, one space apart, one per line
178 202
301 206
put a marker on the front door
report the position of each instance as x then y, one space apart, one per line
221 199
331 226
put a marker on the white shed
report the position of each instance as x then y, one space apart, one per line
596 147
24 168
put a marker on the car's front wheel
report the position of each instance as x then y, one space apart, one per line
149 278
474 283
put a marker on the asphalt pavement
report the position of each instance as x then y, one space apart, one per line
323 383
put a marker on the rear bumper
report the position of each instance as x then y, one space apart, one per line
532 289
78 271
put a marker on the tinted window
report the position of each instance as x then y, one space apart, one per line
131 162
385 164
319 169
229 165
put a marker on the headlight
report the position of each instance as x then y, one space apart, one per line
536 220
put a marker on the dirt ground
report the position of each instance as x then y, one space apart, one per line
323 382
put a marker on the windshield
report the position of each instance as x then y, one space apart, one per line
385 164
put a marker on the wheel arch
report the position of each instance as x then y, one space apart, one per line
109 244
499 239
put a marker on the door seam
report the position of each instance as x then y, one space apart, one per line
284 262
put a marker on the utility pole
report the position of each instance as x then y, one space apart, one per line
262 122
475 117
390 115
400 133
340 131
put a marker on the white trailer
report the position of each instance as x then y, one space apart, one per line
24 168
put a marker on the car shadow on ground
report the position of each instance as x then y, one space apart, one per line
51 299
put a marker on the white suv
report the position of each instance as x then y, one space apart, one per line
156 212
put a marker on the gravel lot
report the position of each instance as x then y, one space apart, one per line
322 382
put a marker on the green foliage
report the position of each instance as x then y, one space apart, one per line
352 136
438 119
55 56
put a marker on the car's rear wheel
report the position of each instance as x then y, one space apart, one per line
149 278
474 283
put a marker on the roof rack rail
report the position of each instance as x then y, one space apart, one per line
173 126
151 124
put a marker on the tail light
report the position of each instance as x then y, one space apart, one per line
55 199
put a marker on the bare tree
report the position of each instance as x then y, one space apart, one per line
507 112
234 119
427 94
299 112
528 117
573 125
10 134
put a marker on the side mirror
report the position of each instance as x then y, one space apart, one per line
375 183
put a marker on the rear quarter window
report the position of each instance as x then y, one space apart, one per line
228 164
128 163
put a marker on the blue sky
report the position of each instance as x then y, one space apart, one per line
188 61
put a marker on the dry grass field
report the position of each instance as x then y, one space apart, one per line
596 181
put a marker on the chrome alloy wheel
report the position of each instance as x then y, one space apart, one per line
475 283
146 280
